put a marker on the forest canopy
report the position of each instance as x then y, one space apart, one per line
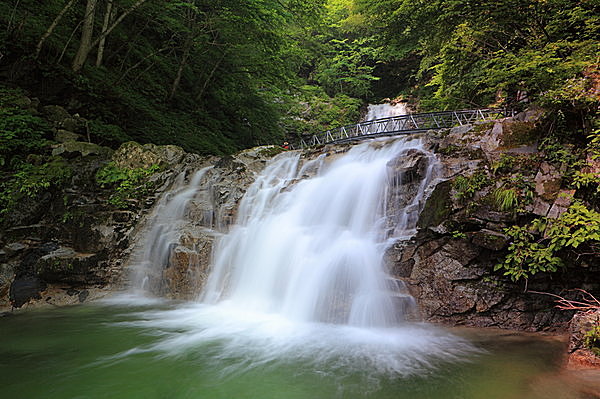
221 75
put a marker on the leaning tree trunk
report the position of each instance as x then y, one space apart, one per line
51 28
84 50
107 18
87 30
182 64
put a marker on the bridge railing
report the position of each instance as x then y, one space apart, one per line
403 124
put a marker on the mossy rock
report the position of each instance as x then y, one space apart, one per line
517 133
132 155
438 206
79 148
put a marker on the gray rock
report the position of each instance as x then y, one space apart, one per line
55 113
63 136
540 207
79 148
547 182
132 155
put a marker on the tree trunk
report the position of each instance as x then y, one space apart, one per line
48 32
137 64
85 46
210 75
186 53
107 19
117 22
84 49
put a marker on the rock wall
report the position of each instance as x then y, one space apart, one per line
67 244
209 213
449 264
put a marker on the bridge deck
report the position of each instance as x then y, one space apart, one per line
402 124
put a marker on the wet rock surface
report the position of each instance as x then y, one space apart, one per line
449 264
68 245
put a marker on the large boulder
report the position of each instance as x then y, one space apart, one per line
133 155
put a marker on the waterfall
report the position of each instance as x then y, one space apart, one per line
311 249
299 280
164 228
385 110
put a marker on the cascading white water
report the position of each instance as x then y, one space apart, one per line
311 249
164 229
300 280
385 110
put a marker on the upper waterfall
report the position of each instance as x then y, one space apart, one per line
385 110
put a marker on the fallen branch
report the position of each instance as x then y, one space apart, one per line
588 302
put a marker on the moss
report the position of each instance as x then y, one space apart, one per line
271 151
438 206
450 149
482 128
518 133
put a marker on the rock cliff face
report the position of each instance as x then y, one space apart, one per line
449 263
67 245
47 257
181 267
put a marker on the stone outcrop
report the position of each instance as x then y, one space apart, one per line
67 245
211 210
580 355
449 264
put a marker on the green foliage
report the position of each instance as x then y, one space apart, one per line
536 247
588 175
458 234
504 164
128 184
30 180
310 110
506 199
591 340
526 257
466 187
200 74
20 131
349 68
493 51
106 133
515 192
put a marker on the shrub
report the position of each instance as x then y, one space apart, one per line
128 184
466 187
591 340
30 180
536 246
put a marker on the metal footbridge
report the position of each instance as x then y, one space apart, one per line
402 124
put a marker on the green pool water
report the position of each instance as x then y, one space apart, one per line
151 352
